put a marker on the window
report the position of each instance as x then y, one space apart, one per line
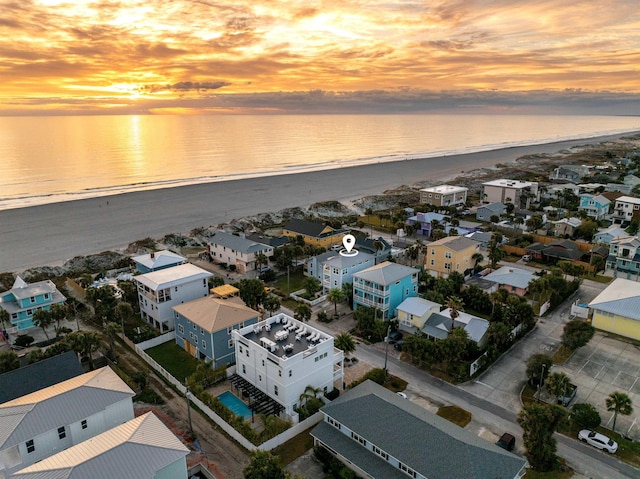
447 254
32 299
83 424
263 362
407 470
244 369
204 281
280 372
29 312
275 389
290 372
333 422
204 345
195 341
380 452
433 251
46 295
447 266
358 438
180 328
247 351
62 433
194 325
30 446
241 348
201 331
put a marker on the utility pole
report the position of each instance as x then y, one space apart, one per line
188 395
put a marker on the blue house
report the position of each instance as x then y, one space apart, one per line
605 236
23 299
157 260
595 206
203 327
384 286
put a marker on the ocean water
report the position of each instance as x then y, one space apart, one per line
51 159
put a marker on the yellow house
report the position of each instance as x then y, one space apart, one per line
452 253
617 309
314 234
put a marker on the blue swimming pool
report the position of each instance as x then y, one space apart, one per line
235 405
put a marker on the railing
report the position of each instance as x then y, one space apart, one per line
371 289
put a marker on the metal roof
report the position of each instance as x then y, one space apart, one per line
439 324
511 276
21 289
136 449
455 243
159 259
168 277
215 314
64 403
340 261
238 243
428 444
417 306
621 297
386 273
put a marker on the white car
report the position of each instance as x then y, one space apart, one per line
402 395
598 440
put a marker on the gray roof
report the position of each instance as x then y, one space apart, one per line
621 297
340 261
158 259
429 444
137 449
268 240
495 207
237 243
42 374
417 306
480 236
64 403
386 273
510 276
439 324
455 243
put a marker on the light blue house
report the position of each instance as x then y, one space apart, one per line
338 269
384 286
23 299
605 236
157 260
595 206
203 327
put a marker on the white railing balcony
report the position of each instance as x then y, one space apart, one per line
371 289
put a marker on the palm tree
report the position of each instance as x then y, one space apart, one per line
8 361
112 329
345 342
261 260
335 295
302 312
58 312
455 307
619 403
42 319
477 259
4 318
271 303
558 384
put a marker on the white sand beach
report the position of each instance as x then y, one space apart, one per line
50 234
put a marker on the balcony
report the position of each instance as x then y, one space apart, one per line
371 289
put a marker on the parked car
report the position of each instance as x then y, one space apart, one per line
402 395
394 337
526 258
507 441
598 440
568 395
398 345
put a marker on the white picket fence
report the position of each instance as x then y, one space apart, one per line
297 296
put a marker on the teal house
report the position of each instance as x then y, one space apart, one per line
23 299
384 286
204 325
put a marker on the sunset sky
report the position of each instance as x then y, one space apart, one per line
234 56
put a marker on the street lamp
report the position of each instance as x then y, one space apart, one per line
188 395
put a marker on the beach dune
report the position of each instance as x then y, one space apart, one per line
52 233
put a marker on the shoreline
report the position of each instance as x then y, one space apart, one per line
52 233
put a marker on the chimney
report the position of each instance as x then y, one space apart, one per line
153 254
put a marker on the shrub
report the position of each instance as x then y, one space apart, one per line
333 394
585 415
23 340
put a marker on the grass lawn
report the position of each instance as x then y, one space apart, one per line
561 355
174 359
455 415
295 447
296 281
599 278
531 474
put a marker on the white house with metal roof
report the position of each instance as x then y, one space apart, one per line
518 192
281 356
514 280
626 209
380 435
23 299
236 250
142 448
414 312
617 309
42 423
156 260
160 290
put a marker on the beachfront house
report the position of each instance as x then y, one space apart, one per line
624 256
279 358
444 195
384 286
313 265
23 299
157 260
424 223
338 269
380 435
39 424
617 309
518 192
237 251
140 448
595 206
378 247
514 280
414 312
160 290
627 209
314 234
453 253
564 175
439 326
204 325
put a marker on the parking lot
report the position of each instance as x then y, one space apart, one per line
601 367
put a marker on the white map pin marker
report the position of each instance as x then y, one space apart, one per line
348 242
